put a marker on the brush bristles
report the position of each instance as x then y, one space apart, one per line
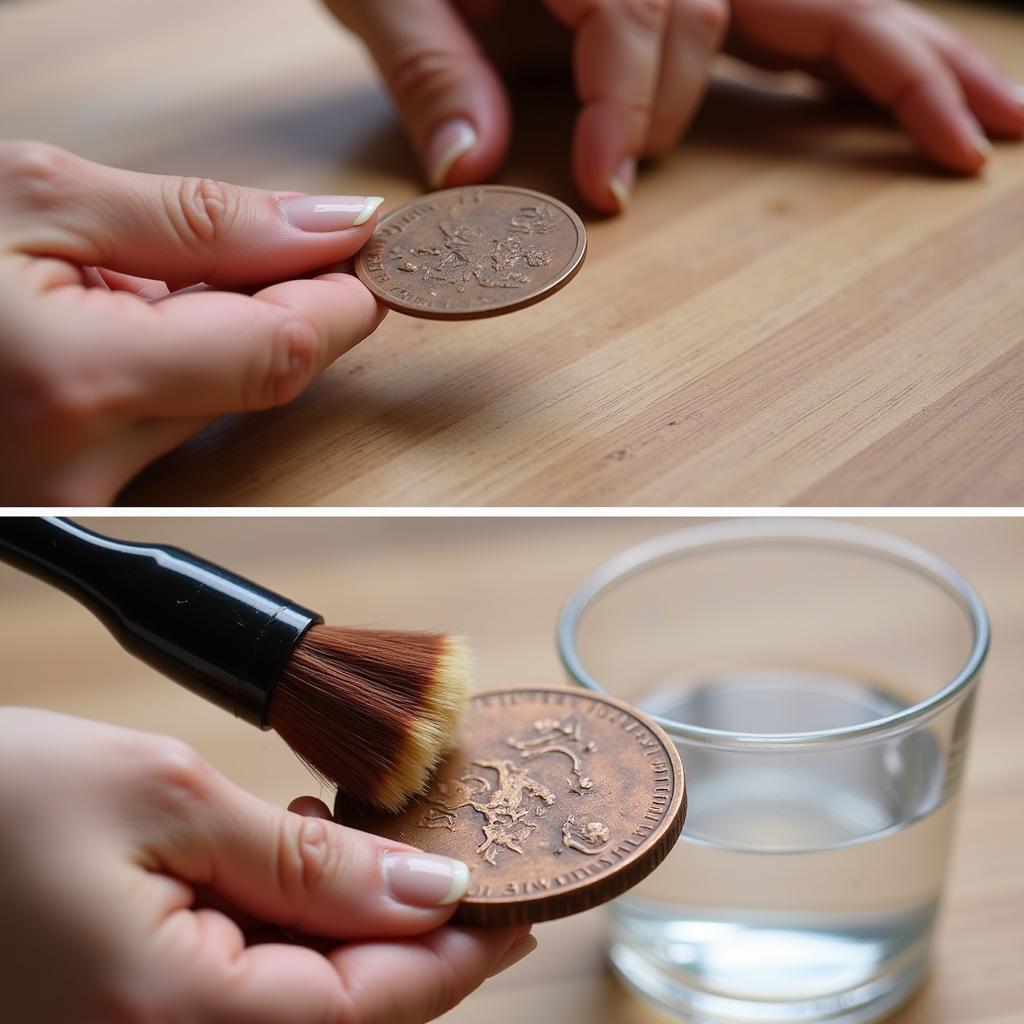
372 712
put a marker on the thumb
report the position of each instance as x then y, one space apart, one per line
187 230
307 873
452 102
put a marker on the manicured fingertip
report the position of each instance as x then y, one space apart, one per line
982 145
519 950
424 879
368 210
328 213
620 184
974 134
450 142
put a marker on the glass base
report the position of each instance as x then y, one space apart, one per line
682 995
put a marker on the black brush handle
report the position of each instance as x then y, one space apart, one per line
218 634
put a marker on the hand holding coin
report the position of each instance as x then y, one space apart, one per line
138 307
140 884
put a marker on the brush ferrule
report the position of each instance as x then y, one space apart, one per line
278 636
222 636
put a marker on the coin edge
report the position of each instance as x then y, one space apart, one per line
587 894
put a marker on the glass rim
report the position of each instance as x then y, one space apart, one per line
731 534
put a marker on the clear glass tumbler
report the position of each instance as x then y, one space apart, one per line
818 680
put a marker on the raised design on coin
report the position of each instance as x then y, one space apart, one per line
513 795
472 252
590 838
556 799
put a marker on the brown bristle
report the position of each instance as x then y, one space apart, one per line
372 711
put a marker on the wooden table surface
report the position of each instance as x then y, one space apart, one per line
796 310
502 582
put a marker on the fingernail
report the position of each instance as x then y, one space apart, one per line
453 139
329 213
519 950
979 140
424 879
621 182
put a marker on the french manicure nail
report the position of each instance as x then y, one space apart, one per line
452 140
979 140
424 879
982 145
621 182
519 950
329 213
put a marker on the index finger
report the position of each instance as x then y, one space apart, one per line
617 58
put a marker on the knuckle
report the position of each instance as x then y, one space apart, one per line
202 210
638 107
289 364
348 998
178 776
72 488
650 14
708 19
306 856
54 405
37 170
420 74
449 988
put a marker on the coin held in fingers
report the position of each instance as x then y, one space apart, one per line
556 799
472 252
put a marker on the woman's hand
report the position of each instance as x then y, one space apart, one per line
641 69
947 94
105 363
135 878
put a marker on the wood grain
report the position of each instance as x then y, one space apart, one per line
796 310
502 582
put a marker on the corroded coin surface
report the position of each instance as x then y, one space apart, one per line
472 252
556 799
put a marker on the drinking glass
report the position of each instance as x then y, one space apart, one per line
817 679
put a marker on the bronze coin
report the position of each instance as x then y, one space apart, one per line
472 252
557 799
